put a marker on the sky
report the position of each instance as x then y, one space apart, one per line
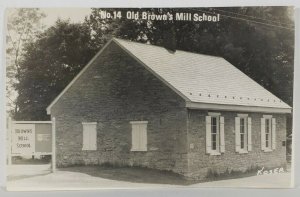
74 14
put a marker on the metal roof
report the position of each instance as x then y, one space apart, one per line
199 79
203 78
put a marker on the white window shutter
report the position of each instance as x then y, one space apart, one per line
143 137
208 133
92 136
85 138
237 135
263 134
222 136
139 135
249 132
135 137
273 133
89 136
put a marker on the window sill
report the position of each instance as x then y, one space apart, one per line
138 150
268 150
88 149
243 152
215 153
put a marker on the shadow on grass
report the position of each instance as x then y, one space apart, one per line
132 174
146 175
23 161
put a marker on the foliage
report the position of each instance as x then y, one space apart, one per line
257 46
263 52
49 64
22 26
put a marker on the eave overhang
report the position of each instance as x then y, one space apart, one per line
239 108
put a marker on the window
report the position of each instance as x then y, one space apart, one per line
89 137
268 133
215 127
243 137
243 133
139 135
215 141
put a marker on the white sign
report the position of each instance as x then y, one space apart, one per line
23 139
43 137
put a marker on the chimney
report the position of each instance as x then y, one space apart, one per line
169 39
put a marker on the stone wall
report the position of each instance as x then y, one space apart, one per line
113 91
201 164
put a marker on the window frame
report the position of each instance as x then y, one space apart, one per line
245 149
217 116
215 134
268 127
243 136
271 133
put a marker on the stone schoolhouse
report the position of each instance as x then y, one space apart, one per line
142 105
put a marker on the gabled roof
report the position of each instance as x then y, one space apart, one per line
199 79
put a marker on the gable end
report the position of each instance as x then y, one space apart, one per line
94 59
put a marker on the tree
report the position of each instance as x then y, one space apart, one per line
254 39
258 46
257 40
22 27
49 64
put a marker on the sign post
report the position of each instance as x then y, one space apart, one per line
9 141
53 157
